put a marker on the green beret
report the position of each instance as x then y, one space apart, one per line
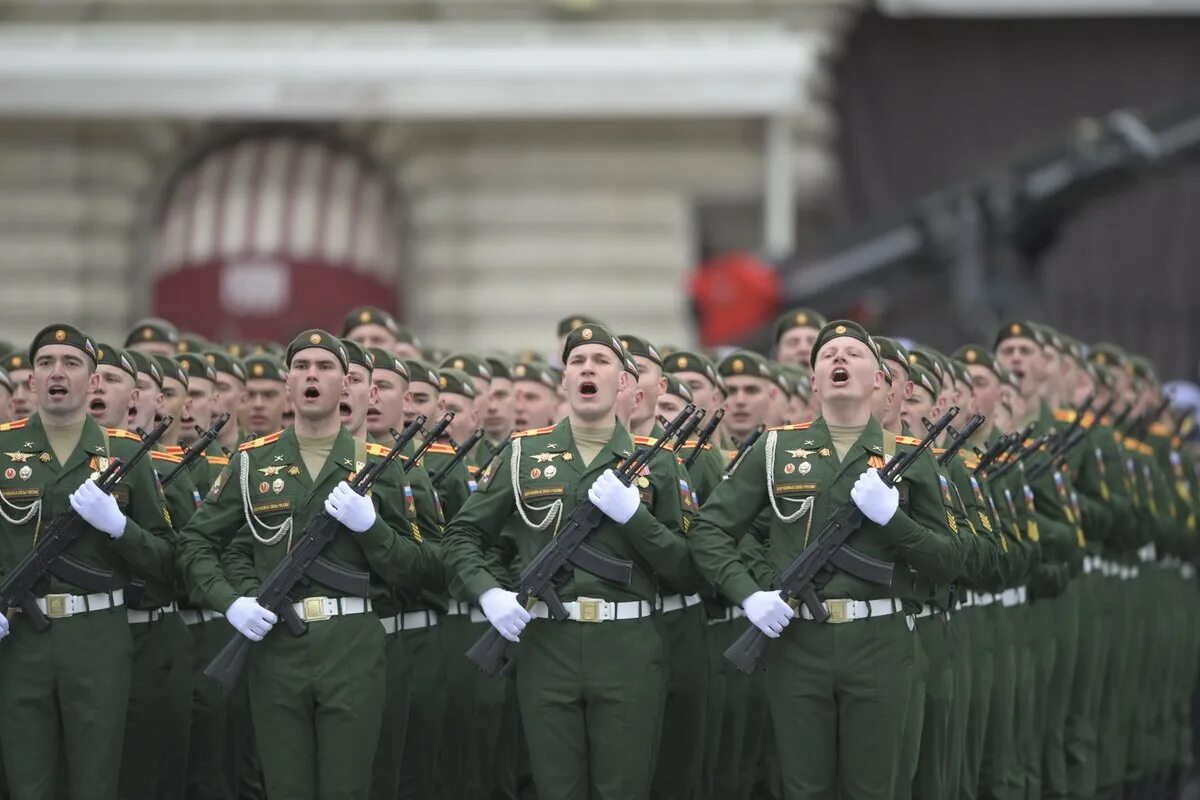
782 379
1142 368
325 340
146 364
171 369
192 343
6 346
678 388
891 350
404 335
961 373
357 354
629 364
687 361
111 356
383 359
921 376
839 328
1107 355
745 363
62 334
1052 338
929 359
798 318
1007 376
1019 329
591 334
152 329
568 324
637 346
5 380
221 361
195 366
977 355
499 367
455 381
473 365
16 361
1103 375
369 315
536 373
529 357
264 366
420 372
801 379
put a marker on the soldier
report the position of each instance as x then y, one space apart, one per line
261 412
568 324
593 693
6 393
752 393
535 395
202 396
317 700
479 372
423 390
698 374
828 675
66 690
154 337
795 334
230 392
371 327
499 414
24 399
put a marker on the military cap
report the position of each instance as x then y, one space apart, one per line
6 346
473 365
921 376
455 381
146 364
387 360
678 388
499 367
929 359
745 363
977 355
1019 329
357 354
798 318
801 379
837 329
221 361
369 315
1102 374
171 369
536 373
196 366
266 367
15 361
1142 368
1108 355
404 335
637 346
420 372
62 334
687 361
1007 376
5 380
568 324
192 343
891 350
529 357
629 364
432 354
960 371
315 337
591 334
152 329
782 379
111 356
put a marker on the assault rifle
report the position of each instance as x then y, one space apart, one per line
197 449
743 448
704 436
459 454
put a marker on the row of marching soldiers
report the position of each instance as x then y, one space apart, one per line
1037 636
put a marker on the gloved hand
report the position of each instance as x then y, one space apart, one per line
768 612
98 509
504 612
350 508
251 620
3 626
615 499
875 499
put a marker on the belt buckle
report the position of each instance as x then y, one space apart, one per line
57 606
314 609
591 609
839 610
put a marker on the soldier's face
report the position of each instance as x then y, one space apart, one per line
882 402
748 403
1083 387
799 410
592 377
901 383
175 403
315 383
5 404
985 389
149 401
63 377
373 335
846 371
262 411
795 346
422 398
534 405
629 398
652 383
498 410
703 392
113 397
1023 357
229 395
407 351
359 396
155 348
24 401
199 410
921 404
388 409
669 405
1015 403
465 418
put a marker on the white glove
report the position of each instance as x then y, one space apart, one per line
98 509
251 620
875 499
768 612
504 612
350 508
615 499
3 626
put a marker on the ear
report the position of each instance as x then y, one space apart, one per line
662 385
623 381
134 397
878 379
93 381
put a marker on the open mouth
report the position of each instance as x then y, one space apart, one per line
97 406
840 376
587 389
1019 373
312 393
344 409
57 391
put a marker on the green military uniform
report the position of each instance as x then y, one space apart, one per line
591 694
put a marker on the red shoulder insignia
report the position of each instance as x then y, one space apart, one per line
377 450
260 441
907 440
534 432
438 447
15 425
175 450
650 441
118 433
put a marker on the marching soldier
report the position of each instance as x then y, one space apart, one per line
265 400
6 393
24 399
535 393
499 415
230 391
795 334
154 337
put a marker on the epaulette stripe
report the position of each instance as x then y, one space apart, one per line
260 441
907 440
1064 415
693 442
118 433
799 426
1160 429
377 449
160 456
441 448
647 441
534 432
219 461
15 425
